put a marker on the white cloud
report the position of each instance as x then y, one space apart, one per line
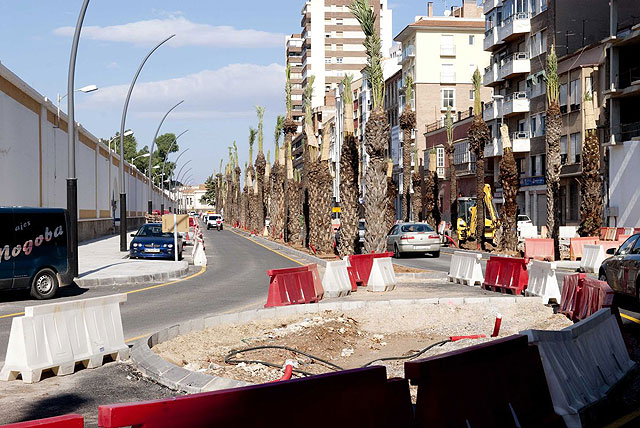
187 33
228 92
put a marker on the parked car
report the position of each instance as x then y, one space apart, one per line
413 238
150 242
621 270
215 221
361 231
34 250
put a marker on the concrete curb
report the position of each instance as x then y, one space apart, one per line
180 379
135 279
421 275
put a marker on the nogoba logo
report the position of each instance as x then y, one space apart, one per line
6 252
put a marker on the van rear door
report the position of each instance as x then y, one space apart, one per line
7 242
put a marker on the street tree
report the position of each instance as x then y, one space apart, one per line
407 124
590 180
510 183
260 171
552 139
453 180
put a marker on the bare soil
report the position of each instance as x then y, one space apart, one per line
406 269
349 339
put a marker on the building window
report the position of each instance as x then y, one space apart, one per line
574 94
440 161
339 60
327 60
533 126
576 147
448 98
532 162
339 47
339 21
543 123
563 150
563 98
471 39
472 94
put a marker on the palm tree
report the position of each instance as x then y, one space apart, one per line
290 128
407 124
219 189
244 209
276 211
510 183
591 183
260 169
251 214
392 192
478 137
417 205
453 180
236 186
376 131
348 177
552 139
431 212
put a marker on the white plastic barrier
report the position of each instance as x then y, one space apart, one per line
528 231
543 281
336 281
465 268
582 362
383 277
199 257
592 258
56 336
568 232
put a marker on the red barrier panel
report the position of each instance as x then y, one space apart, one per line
593 296
539 249
352 278
506 275
496 384
571 286
292 286
609 244
362 264
619 232
576 246
317 401
66 421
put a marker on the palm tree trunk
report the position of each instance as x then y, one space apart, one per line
416 198
510 183
552 136
260 168
348 196
478 137
407 123
591 187
376 137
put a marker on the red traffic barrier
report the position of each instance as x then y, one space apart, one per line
571 285
66 421
539 249
583 296
506 275
352 278
292 286
362 264
576 245
483 386
297 402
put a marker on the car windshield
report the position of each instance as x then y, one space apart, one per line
153 230
213 217
416 228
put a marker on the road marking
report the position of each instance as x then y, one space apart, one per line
202 270
630 318
133 339
270 249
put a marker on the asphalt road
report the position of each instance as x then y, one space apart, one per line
627 305
234 279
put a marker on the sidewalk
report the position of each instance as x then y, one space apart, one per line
102 263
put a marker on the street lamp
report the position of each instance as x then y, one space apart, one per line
175 140
153 142
144 155
126 134
85 89
72 179
123 195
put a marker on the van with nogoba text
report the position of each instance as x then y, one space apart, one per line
34 250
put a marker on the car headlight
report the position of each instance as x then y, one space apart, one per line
164 245
134 245
170 245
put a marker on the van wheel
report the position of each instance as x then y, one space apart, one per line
44 284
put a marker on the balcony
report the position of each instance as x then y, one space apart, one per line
447 50
520 142
448 77
407 53
491 75
493 148
491 40
516 103
515 64
491 111
487 5
516 24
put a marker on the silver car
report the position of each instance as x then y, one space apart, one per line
413 238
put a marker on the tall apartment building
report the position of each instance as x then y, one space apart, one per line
333 44
441 53
519 34
293 58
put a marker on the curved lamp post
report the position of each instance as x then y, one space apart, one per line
175 140
153 142
123 195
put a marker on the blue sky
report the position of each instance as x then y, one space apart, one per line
226 58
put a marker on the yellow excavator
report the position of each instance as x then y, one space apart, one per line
467 217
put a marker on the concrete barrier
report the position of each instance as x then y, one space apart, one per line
57 336
382 277
465 268
543 281
539 249
336 282
582 362
592 258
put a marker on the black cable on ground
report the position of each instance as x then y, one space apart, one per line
228 359
409 357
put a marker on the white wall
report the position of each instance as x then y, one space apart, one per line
623 181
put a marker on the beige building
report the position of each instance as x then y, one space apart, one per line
441 53
190 198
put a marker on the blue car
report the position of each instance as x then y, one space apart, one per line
151 243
